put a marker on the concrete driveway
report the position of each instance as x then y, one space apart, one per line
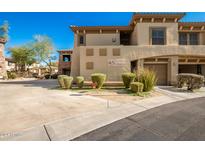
183 120
26 104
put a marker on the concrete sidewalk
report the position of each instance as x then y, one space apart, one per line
72 127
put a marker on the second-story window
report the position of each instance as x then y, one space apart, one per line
188 38
183 38
193 39
158 36
81 40
66 58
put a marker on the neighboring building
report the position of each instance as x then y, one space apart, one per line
10 64
2 59
37 68
64 65
157 41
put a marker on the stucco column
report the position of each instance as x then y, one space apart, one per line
172 70
2 59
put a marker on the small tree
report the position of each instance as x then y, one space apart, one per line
23 56
43 49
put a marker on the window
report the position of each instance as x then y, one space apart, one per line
89 52
116 52
81 39
158 36
66 58
89 65
103 52
183 38
188 39
193 39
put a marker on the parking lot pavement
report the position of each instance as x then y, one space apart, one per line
182 120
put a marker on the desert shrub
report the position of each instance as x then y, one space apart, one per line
98 79
54 76
68 82
47 76
61 81
11 75
80 81
148 78
192 81
136 87
128 78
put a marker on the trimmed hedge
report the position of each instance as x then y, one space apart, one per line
136 87
192 81
98 79
128 78
68 80
61 81
80 81
148 78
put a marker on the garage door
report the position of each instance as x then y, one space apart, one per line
161 72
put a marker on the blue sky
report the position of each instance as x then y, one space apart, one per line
56 25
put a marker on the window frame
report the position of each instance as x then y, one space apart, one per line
187 42
196 41
159 28
65 56
188 37
81 38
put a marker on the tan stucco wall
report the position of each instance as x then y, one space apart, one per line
75 40
130 53
102 39
202 38
142 31
75 62
133 39
101 64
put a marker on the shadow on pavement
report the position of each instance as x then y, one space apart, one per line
49 84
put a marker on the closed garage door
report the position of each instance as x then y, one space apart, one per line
161 72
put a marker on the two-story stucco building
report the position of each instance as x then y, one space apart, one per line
157 41
64 65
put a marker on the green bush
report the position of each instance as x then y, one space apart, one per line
128 78
61 81
136 87
192 81
80 81
98 79
148 78
68 82
11 75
